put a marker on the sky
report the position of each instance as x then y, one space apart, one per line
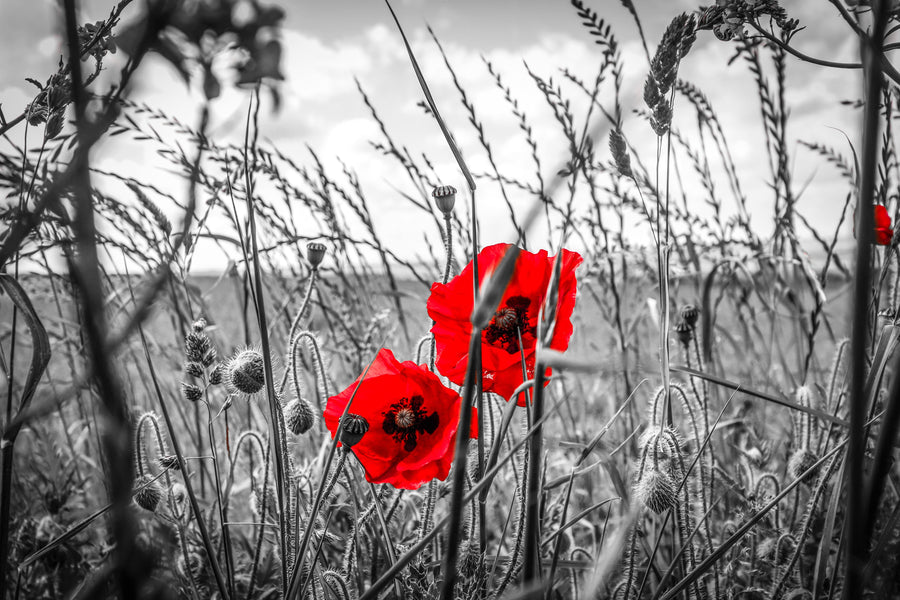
330 45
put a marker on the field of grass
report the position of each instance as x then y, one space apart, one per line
332 416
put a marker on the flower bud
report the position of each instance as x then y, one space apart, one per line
655 490
685 332
800 462
149 496
245 373
298 416
355 427
315 253
444 198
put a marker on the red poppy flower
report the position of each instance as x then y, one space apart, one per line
450 306
883 232
412 419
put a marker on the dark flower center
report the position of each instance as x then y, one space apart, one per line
508 323
406 419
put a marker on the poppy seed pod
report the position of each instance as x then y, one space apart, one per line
149 496
690 314
685 332
355 427
298 416
315 253
444 198
245 373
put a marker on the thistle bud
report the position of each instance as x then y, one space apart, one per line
355 427
191 392
245 373
445 198
315 253
655 490
149 496
298 416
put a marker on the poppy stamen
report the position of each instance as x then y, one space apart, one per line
406 419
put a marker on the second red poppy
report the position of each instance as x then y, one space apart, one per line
450 306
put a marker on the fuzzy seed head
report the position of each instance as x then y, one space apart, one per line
148 497
355 427
445 198
801 461
191 392
298 416
655 490
315 253
245 373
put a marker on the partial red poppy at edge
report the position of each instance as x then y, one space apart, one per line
450 306
883 232
412 417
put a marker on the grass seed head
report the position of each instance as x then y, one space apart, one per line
193 369
619 150
191 392
169 461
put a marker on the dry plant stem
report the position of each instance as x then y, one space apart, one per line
276 433
531 569
855 520
129 568
449 572
220 502
176 448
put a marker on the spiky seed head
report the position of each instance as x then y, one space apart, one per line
655 490
315 253
445 198
191 392
215 376
149 496
169 461
193 369
355 427
800 462
298 416
685 332
245 373
690 314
